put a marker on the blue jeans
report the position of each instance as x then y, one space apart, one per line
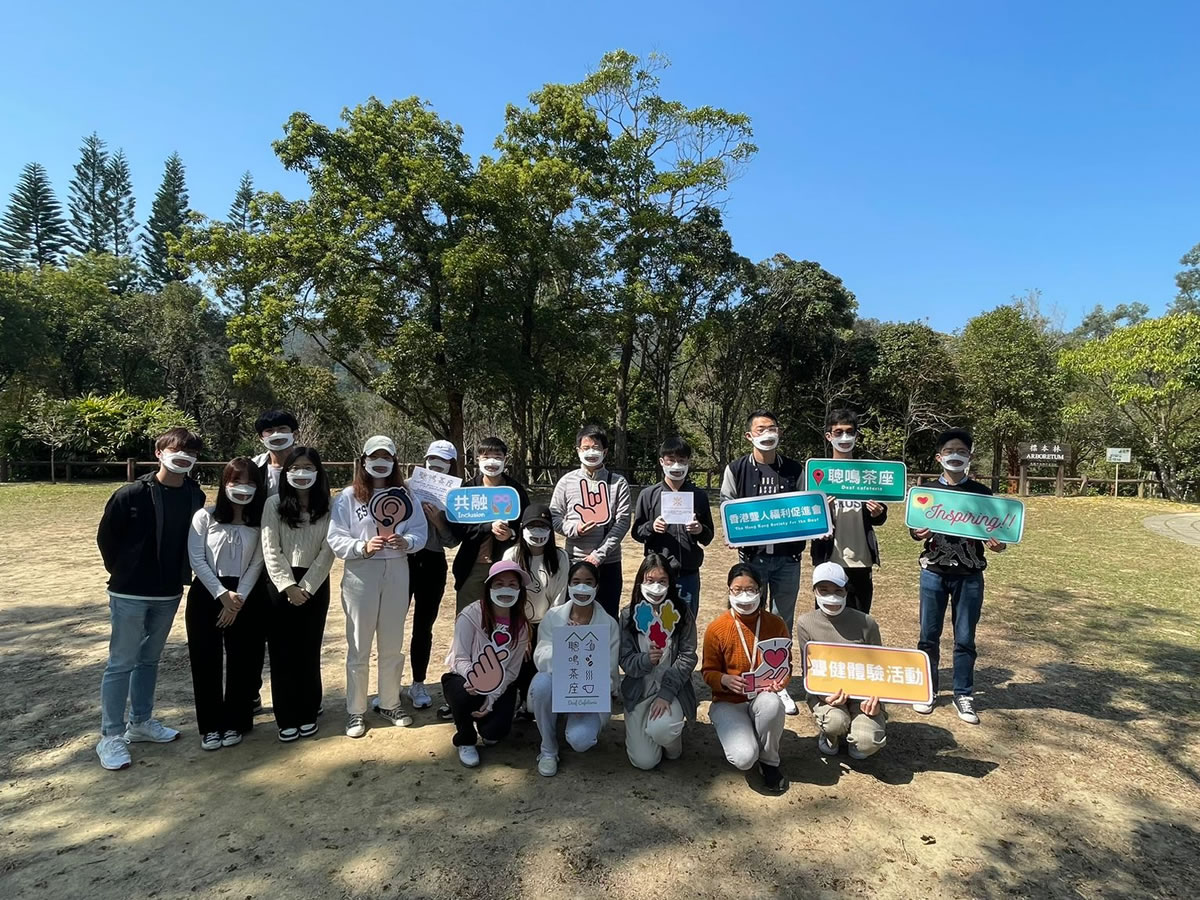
964 593
139 633
781 578
689 591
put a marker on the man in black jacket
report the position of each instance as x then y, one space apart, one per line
143 541
683 544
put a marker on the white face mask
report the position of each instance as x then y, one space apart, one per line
768 440
676 472
654 592
301 478
582 594
591 457
831 604
437 465
380 468
536 537
241 494
955 462
745 602
177 462
505 597
489 465
844 443
280 440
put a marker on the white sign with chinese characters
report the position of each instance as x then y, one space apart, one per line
432 487
581 669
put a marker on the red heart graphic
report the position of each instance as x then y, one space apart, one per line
922 500
776 657
818 474
500 638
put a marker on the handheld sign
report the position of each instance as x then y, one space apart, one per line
857 479
864 671
390 508
480 505
776 518
656 626
678 507
959 514
429 486
776 664
581 669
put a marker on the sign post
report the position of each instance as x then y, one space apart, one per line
1118 455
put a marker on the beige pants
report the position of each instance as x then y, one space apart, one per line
864 733
647 740
472 588
749 732
375 599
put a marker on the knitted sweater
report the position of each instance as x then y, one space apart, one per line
286 548
723 652
604 540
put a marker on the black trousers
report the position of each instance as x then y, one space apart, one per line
493 727
224 659
528 669
294 635
259 650
860 589
427 583
608 592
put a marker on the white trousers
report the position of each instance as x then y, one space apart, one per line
582 729
749 732
647 740
375 600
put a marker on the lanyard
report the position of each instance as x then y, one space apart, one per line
738 626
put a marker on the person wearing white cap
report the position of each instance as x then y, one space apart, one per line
860 722
373 527
427 570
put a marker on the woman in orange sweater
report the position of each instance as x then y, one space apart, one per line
748 717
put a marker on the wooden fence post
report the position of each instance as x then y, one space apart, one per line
131 469
1023 483
1058 482
3 468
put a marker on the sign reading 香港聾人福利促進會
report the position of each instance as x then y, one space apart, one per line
776 518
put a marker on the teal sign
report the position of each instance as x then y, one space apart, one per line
776 518
857 479
960 514
479 505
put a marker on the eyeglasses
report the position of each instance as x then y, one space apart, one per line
842 432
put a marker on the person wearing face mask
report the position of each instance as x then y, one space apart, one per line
761 472
297 558
657 691
952 574
375 592
683 543
482 545
427 570
491 640
834 621
226 612
582 730
594 519
278 430
142 538
853 544
750 729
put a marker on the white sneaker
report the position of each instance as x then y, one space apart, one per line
789 705
356 726
923 708
824 745
150 730
547 765
419 696
468 756
211 741
114 752
231 738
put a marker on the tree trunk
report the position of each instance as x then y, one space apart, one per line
53 477
997 459
620 454
454 400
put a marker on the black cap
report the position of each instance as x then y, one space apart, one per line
536 512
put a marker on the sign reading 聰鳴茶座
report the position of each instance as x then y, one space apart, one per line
1045 453
857 479
581 669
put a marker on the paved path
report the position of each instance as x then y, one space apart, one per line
1180 526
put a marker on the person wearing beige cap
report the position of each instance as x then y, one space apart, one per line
374 525
860 722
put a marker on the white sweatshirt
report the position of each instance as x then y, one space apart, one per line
221 550
543 653
351 526
545 590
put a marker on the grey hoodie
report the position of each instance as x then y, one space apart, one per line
604 540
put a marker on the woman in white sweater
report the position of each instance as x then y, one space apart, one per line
297 557
225 612
374 525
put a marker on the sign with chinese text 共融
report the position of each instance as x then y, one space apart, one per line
960 514
857 479
1047 453
1119 455
581 670
776 518
863 671
479 505
429 486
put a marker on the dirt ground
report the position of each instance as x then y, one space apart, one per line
1082 780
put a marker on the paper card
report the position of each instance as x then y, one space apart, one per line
678 507
487 673
390 508
581 669
429 486
659 626
776 654
593 506
892 674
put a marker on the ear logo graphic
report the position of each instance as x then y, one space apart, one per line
593 506
502 506
390 508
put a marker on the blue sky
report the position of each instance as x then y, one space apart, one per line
940 157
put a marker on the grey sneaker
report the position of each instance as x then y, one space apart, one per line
356 726
789 705
923 708
150 730
113 752
211 741
419 696
966 709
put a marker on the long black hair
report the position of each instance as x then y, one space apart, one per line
318 494
657 561
549 549
252 511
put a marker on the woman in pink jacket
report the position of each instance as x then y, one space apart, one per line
491 640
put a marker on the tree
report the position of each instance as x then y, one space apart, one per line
1150 374
168 217
119 207
88 203
33 231
51 422
1100 323
242 215
1188 281
23 347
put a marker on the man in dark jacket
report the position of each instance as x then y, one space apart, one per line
143 541
683 544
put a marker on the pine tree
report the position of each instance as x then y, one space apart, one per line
87 197
240 215
119 206
168 215
33 230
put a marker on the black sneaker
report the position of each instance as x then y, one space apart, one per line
965 705
256 707
444 712
776 782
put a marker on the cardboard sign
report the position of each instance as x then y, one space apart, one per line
678 507
858 479
480 505
776 518
487 672
390 508
657 626
863 671
959 514
429 486
582 670
775 662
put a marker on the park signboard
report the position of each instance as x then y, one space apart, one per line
1045 453
965 515
1119 455
857 479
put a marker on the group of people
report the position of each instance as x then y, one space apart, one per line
258 561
